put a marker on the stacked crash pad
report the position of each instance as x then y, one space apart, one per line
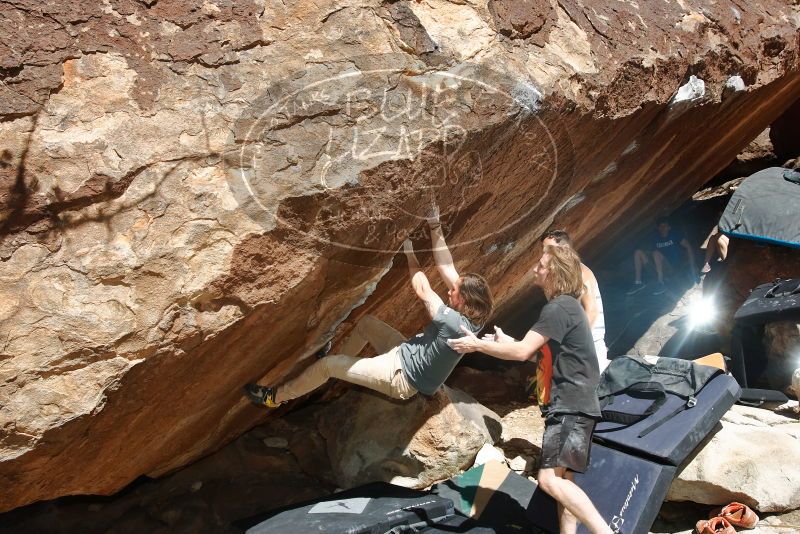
630 473
678 436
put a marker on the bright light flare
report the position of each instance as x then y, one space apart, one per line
702 312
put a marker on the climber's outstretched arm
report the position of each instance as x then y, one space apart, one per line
419 281
441 254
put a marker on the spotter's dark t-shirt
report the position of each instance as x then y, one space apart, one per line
568 358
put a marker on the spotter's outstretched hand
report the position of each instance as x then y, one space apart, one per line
499 336
468 343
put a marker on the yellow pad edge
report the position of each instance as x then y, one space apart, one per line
712 360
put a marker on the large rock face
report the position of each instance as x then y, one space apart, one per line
194 196
749 460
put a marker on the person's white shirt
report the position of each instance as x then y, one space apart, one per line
599 330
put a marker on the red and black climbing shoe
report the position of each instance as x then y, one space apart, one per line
261 395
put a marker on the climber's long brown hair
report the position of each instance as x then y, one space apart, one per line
478 301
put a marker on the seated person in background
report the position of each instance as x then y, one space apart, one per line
403 367
591 300
665 249
568 376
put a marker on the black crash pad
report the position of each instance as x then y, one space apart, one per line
370 509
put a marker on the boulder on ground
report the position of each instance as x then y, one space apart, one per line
414 443
752 459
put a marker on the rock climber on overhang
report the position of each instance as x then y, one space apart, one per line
402 367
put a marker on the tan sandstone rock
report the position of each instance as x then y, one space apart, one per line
413 443
751 459
194 196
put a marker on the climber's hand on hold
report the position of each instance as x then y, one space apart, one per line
432 217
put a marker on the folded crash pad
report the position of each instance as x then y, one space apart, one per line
492 496
764 208
627 491
674 440
371 509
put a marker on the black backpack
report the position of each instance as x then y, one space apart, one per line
767 303
633 376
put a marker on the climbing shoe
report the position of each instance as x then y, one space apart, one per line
321 353
261 395
659 289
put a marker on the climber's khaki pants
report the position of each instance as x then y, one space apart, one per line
383 373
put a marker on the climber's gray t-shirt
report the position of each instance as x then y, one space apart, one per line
427 358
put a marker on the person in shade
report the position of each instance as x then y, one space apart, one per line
590 300
716 246
668 257
568 374
402 367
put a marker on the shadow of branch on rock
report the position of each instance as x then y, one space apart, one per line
60 210
19 193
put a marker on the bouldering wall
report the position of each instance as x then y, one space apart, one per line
198 195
